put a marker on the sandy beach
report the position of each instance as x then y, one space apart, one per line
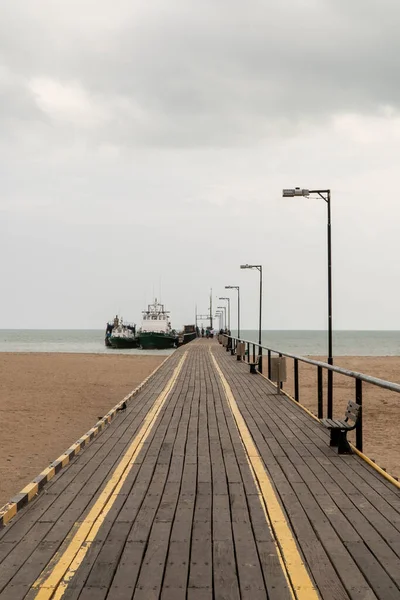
47 401
381 408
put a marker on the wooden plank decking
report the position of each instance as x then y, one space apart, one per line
210 486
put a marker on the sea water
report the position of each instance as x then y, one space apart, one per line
63 340
345 343
315 343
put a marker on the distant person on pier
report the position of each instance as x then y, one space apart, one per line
202 332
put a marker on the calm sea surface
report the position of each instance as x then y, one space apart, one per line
62 340
345 343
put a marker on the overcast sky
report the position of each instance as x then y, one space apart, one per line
144 147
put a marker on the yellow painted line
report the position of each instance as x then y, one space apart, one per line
64 459
49 472
31 489
293 566
9 511
54 579
75 447
376 467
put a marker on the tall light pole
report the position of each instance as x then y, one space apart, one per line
218 315
229 311
236 287
224 307
259 268
326 196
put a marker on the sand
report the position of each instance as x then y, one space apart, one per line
47 401
381 408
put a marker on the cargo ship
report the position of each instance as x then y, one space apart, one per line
156 332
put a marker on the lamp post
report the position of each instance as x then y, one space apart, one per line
259 268
218 315
224 307
236 287
326 196
229 311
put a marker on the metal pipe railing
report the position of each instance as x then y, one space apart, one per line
359 377
388 385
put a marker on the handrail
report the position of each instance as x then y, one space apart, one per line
388 385
231 343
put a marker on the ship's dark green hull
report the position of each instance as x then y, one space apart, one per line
120 342
156 341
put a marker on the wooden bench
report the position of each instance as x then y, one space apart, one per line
339 429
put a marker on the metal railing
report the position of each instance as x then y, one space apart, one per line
360 378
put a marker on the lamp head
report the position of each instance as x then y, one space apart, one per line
245 266
290 193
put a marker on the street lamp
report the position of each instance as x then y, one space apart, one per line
236 287
326 196
219 315
259 268
229 311
224 307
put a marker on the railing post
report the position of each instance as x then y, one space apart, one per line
269 364
248 352
254 353
320 394
281 382
296 379
330 394
359 431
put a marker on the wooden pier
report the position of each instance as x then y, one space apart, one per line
209 486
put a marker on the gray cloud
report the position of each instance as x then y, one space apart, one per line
147 141
188 75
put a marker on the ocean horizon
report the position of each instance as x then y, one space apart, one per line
301 342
